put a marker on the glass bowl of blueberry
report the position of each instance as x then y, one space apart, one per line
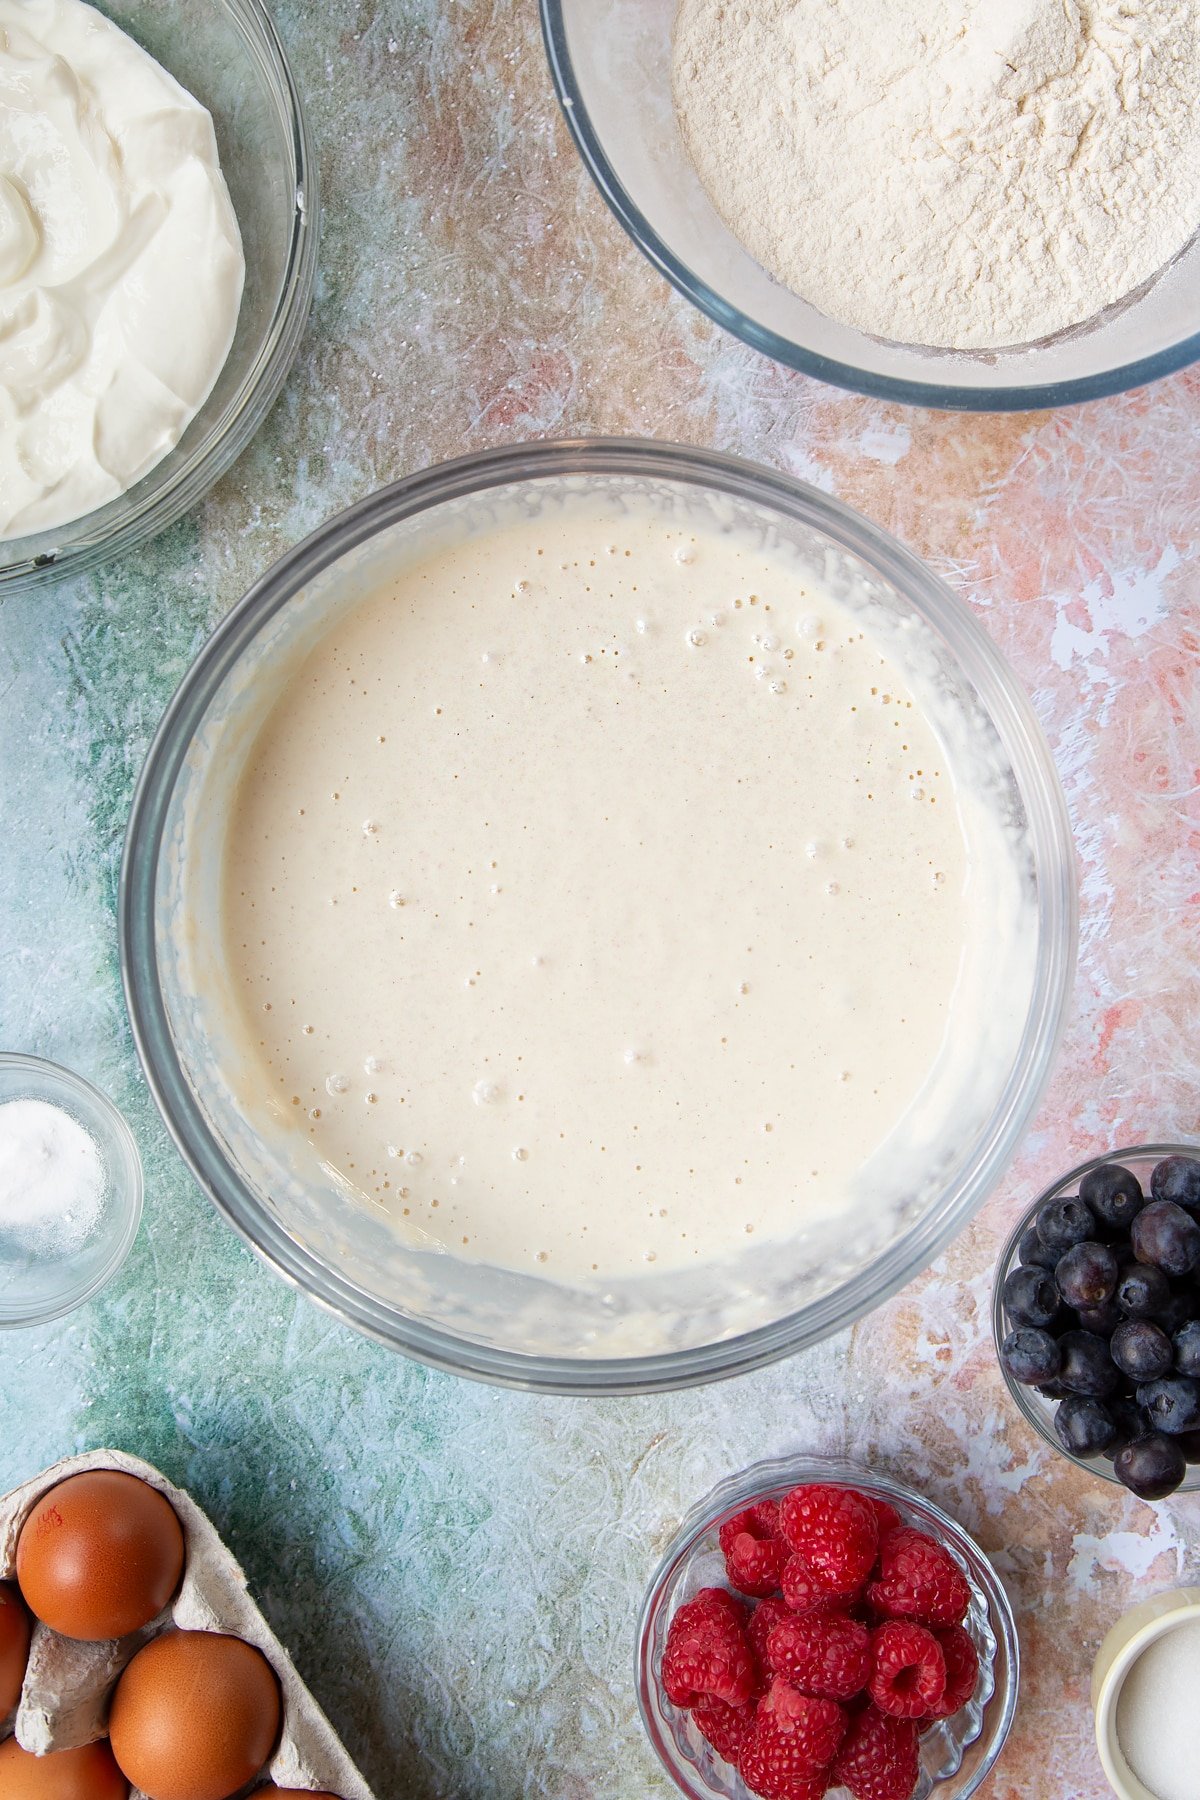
1096 1312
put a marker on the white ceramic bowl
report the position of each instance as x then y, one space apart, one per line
1142 1626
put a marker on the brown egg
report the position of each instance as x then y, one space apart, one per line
195 1716
100 1555
87 1774
14 1646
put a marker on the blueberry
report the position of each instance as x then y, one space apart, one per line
1142 1290
1129 1421
1189 1443
1140 1350
1173 1404
1086 1275
1180 1305
1032 1251
1151 1467
1168 1237
1114 1195
1187 1348
1061 1223
1103 1320
1030 1356
1087 1368
1177 1178
1030 1297
1051 1390
1083 1425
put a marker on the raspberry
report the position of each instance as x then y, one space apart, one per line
826 1653
804 1591
726 1727
836 1532
763 1621
909 1679
879 1758
708 1652
886 1517
793 1740
754 1551
920 1580
962 1671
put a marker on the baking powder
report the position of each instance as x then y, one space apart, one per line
961 173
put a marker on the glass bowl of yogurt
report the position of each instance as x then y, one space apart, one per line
612 66
70 1191
957 1754
598 916
168 190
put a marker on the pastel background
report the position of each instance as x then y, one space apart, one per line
457 1570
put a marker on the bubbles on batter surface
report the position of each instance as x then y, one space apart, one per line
337 1084
485 1093
697 638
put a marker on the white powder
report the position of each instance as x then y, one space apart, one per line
963 173
52 1179
1156 1715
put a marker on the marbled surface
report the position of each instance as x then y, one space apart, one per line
458 1569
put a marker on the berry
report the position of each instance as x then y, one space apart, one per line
1168 1237
805 1592
1086 1275
794 1739
1151 1467
1186 1347
1032 1251
1114 1195
886 1516
1189 1443
919 1580
754 1551
1180 1305
962 1671
835 1531
1173 1404
828 1654
708 1652
1087 1367
1083 1426
1129 1422
1102 1321
1177 1178
1031 1297
1144 1352
763 1620
879 1758
1030 1356
726 1727
909 1677
1061 1223
1142 1290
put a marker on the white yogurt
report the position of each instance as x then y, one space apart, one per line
121 264
599 899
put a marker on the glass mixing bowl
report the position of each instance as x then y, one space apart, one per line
226 53
1035 1408
611 64
956 1755
504 1326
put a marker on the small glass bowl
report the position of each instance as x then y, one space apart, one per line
37 1289
228 55
956 1754
1035 1407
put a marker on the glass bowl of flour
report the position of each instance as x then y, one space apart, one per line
70 1191
598 916
1007 221
78 509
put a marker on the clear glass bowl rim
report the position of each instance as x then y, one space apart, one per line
736 1491
1021 1397
219 449
129 1177
477 473
948 396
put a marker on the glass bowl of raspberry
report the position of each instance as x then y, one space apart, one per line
815 1628
1096 1317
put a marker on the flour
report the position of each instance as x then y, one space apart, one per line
962 173
52 1179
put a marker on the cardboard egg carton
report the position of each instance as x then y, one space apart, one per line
68 1684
